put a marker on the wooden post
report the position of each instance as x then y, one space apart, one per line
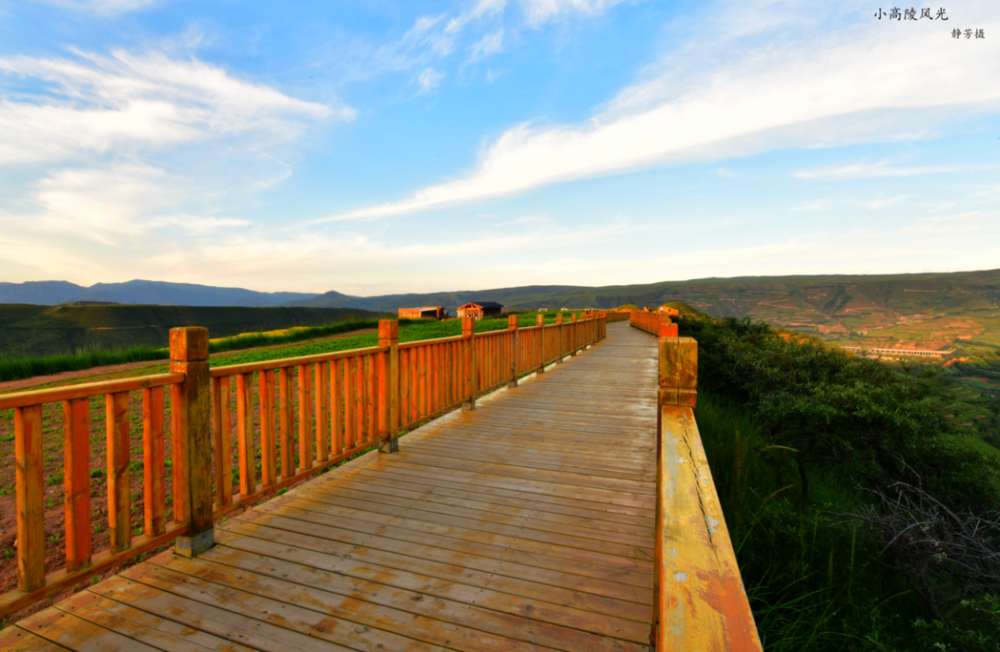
559 329
574 340
191 423
388 335
469 334
541 343
515 351
667 329
678 373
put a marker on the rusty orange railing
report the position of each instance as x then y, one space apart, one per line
618 315
699 599
651 322
32 582
299 415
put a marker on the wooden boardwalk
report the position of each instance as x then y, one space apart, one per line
527 524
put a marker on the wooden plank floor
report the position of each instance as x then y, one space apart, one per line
524 525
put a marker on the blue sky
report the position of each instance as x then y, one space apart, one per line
375 147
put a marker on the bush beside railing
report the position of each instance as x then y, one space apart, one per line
348 402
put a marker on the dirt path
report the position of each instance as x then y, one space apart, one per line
141 368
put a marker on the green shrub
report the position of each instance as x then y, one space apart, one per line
797 433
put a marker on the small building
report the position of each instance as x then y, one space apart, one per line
481 309
427 312
670 312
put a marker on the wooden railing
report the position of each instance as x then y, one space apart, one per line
618 315
297 415
651 322
699 601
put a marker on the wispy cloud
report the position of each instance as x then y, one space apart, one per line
526 219
251 257
823 87
429 79
810 206
102 7
881 169
875 204
476 33
96 104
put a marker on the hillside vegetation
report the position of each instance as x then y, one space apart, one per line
935 311
28 330
863 510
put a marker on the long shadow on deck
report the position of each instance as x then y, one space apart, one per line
526 524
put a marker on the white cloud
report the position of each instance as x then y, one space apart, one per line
111 205
102 7
812 206
542 11
888 201
479 30
822 87
880 169
96 104
429 79
488 45
526 219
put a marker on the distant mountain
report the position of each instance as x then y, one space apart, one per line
531 297
49 293
956 310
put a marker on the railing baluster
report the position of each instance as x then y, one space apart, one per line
76 493
28 456
383 396
244 428
350 381
268 443
337 403
305 418
224 445
363 432
322 411
285 417
153 452
119 485
371 375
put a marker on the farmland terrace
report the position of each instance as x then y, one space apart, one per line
544 516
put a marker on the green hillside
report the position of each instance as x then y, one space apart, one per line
955 310
42 330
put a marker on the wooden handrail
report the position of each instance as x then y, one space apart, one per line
347 402
653 323
699 599
86 390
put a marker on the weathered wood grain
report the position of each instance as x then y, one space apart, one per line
527 524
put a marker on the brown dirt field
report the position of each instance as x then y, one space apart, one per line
52 437
982 380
